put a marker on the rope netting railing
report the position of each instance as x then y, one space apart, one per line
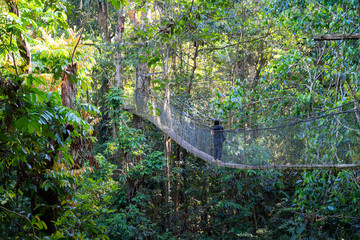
323 140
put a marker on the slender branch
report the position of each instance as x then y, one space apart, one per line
348 128
231 45
92 44
149 74
12 54
317 218
334 37
7 211
82 30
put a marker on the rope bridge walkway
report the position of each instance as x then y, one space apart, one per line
324 140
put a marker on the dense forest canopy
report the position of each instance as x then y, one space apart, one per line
75 165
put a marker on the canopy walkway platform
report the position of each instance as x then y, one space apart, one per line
324 141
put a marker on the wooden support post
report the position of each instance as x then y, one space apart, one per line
184 197
167 172
179 156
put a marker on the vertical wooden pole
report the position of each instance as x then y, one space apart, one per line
167 173
176 185
184 198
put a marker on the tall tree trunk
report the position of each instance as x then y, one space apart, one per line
173 65
68 95
68 86
21 42
236 67
142 79
103 19
196 53
117 63
166 74
142 83
260 64
119 36
103 26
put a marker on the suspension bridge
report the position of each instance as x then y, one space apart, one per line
323 140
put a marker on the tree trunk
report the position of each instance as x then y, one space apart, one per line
166 76
119 35
236 67
142 83
260 65
68 86
117 63
21 42
103 20
142 79
103 26
173 65
196 53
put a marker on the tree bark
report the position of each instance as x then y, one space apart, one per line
68 86
166 75
103 20
260 65
119 39
196 53
142 83
21 42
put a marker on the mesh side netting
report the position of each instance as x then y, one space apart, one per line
324 138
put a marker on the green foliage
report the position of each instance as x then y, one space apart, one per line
89 203
115 100
327 203
128 217
36 131
33 131
127 140
255 63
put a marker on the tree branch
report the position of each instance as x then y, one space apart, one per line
7 211
231 45
334 37
82 30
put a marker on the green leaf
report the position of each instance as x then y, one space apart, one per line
116 4
15 18
31 128
33 125
21 123
281 68
331 208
